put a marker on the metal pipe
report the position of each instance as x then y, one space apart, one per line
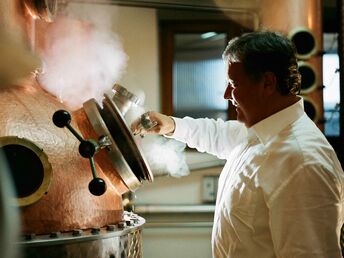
179 225
151 209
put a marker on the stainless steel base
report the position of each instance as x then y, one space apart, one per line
114 241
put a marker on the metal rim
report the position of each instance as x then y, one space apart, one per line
119 89
47 169
305 30
117 160
120 229
316 109
125 135
311 67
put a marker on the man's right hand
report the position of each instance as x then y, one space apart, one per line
165 125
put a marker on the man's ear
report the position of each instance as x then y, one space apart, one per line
270 83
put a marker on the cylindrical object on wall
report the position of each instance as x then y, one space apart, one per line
304 41
301 21
309 77
311 109
292 15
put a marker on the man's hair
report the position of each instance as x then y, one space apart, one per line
266 51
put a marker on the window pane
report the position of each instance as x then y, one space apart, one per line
331 93
199 77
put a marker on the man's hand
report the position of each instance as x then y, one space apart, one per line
163 125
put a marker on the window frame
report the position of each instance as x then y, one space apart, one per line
167 30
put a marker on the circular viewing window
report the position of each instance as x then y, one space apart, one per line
304 42
29 167
310 109
308 77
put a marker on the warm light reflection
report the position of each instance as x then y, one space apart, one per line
31 12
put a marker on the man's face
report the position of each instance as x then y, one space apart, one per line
246 95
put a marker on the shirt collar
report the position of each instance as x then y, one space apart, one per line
272 125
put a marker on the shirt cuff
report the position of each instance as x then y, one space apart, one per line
179 130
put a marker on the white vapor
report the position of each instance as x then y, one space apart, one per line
165 156
81 60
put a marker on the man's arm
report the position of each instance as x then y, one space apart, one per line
206 135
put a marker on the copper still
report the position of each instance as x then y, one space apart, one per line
69 183
51 177
301 21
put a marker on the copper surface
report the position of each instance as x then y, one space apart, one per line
288 16
26 111
41 9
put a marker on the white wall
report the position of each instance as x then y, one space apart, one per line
176 191
138 30
177 243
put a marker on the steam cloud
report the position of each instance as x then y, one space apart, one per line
165 156
81 60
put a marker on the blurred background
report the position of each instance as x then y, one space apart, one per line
167 54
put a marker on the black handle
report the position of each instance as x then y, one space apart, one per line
62 118
87 149
97 186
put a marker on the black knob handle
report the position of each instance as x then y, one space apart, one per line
87 149
97 186
61 118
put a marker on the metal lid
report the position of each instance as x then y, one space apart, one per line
125 156
123 98
122 91
125 140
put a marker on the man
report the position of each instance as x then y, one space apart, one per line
281 191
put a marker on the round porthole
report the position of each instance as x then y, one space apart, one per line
304 42
308 77
311 109
29 166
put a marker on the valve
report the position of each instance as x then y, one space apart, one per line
87 149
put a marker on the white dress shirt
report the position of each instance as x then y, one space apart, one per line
280 193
